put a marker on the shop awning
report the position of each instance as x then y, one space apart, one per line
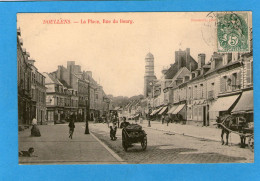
224 103
245 103
153 112
178 109
172 109
163 110
156 111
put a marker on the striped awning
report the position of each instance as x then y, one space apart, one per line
163 110
245 103
172 109
178 109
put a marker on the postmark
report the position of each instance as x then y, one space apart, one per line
232 32
209 30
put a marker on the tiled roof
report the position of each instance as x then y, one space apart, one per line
65 83
171 71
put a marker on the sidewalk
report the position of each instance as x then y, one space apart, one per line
190 130
54 147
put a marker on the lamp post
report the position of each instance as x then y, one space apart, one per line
151 84
86 127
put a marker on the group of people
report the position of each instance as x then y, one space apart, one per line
115 125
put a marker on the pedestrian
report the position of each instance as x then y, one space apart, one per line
34 121
163 119
167 119
113 130
35 130
141 119
71 128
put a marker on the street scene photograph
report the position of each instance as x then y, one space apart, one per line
135 88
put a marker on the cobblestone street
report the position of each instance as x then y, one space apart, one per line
165 147
54 147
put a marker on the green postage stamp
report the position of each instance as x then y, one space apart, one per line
233 32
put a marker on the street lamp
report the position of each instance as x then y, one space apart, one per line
86 127
151 84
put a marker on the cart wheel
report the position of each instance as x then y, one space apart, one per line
124 142
251 143
144 143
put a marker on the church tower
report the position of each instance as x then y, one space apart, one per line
149 74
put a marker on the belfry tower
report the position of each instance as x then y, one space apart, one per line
149 74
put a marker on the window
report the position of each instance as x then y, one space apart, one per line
202 90
195 92
228 83
223 84
234 81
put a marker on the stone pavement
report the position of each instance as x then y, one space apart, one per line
165 147
54 147
191 130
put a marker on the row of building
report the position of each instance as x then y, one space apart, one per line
53 97
196 91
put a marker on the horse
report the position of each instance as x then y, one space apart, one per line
230 123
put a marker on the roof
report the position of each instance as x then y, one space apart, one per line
171 71
176 76
65 83
52 78
149 55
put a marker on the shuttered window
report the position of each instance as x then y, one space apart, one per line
249 72
222 84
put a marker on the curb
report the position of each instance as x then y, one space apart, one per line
118 158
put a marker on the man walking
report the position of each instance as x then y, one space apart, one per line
71 126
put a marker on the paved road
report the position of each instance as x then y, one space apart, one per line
54 147
173 148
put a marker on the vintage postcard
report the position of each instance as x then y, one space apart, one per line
135 88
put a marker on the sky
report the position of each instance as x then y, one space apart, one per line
115 52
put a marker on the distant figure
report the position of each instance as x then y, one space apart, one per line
28 153
113 130
71 128
163 117
167 119
124 123
35 130
34 121
141 120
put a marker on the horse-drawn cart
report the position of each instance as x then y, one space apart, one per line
133 133
238 125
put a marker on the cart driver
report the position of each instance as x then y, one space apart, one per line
124 123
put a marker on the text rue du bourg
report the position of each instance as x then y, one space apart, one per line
104 21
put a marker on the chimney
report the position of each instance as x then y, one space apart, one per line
164 70
60 72
31 61
89 73
201 60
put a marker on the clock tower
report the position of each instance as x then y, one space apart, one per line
149 76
